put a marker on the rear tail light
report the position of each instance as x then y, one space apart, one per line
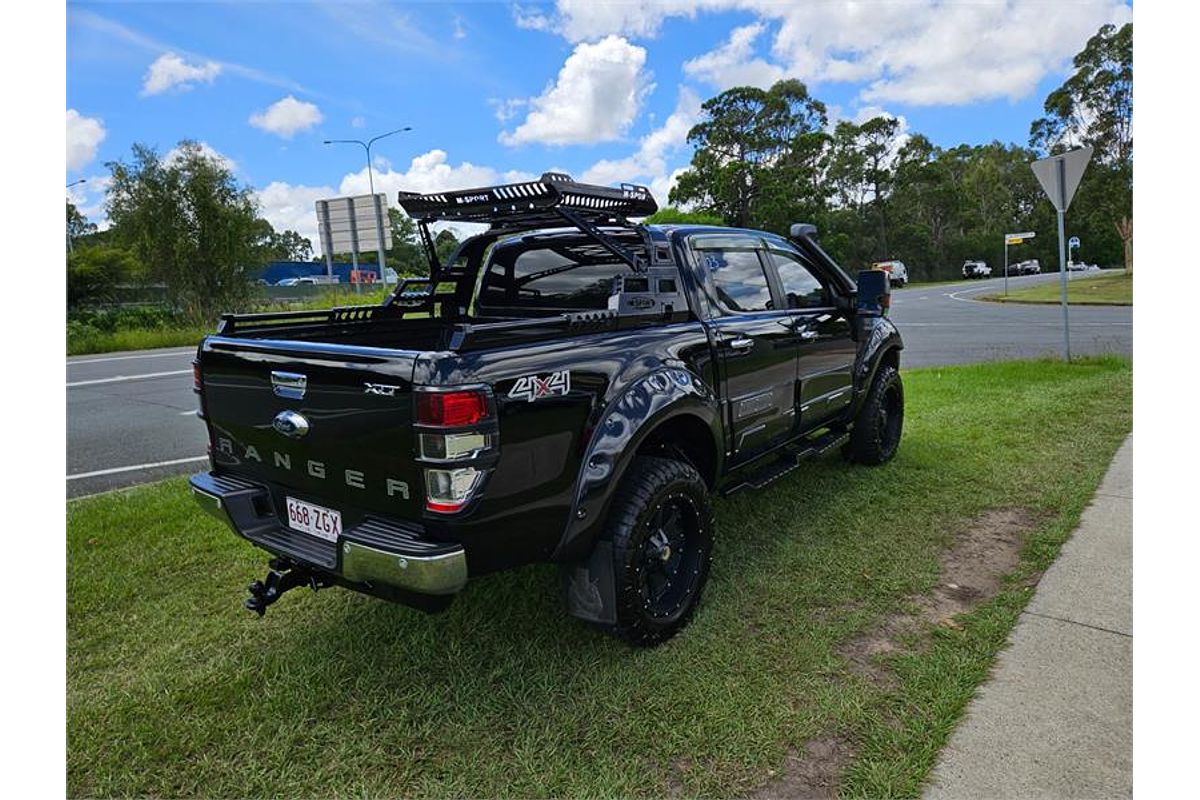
452 409
196 385
453 425
448 490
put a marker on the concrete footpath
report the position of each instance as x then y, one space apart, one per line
1056 718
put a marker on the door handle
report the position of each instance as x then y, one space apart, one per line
739 343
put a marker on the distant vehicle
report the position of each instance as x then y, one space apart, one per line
897 272
976 269
1029 267
307 280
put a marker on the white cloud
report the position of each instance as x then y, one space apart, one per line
293 206
286 117
649 164
169 71
596 97
919 52
734 64
84 135
358 122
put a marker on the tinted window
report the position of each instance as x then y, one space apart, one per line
738 277
567 274
800 286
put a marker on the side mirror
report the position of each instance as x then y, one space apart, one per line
874 293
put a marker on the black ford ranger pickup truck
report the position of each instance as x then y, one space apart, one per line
572 387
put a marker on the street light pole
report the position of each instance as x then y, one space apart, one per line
366 146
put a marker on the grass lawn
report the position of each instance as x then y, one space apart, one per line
1113 288
149 338
133 339
175 690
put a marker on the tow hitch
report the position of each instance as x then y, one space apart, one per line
284 574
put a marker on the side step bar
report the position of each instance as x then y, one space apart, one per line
796 454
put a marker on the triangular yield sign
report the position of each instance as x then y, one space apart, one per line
1047 169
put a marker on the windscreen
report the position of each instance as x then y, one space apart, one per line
560 272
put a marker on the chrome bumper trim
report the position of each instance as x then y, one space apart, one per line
441 574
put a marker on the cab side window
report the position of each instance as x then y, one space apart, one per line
801 286
738 277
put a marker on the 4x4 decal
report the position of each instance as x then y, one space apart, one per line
535 387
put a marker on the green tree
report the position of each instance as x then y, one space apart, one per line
670 215
444 244
1094 106
94 272
191 223
77 223
287 246
755 153
407 256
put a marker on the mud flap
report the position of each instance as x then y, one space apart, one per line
589 587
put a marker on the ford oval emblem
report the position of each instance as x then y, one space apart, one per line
289 423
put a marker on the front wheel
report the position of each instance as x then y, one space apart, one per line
880 421
661 528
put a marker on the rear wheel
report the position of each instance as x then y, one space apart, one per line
661 528
877 428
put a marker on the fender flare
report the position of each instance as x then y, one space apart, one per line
627 420
878 337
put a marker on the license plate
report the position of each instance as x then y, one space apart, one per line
324 523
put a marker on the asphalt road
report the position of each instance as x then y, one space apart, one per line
131 416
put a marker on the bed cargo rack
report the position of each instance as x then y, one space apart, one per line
551 201
532 204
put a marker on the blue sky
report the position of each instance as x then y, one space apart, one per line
500 90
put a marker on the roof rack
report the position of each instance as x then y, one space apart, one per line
532 204
550 201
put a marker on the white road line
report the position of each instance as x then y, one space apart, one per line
120 378
71 363
115 470
193 412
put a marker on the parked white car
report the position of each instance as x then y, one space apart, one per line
976 269
897 272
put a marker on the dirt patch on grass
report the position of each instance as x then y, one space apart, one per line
971 572
814 773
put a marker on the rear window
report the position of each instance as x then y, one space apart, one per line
568 273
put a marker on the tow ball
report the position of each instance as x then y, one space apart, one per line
284 574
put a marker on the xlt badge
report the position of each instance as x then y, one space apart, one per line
383 389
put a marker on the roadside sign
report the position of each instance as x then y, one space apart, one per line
1018 238
1068 166
1073 241
1059 176
351 224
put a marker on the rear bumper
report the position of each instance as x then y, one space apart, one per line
373 552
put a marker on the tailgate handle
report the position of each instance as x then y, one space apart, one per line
289 384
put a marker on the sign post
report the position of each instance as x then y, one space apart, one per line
1013 238
1059 176
340 221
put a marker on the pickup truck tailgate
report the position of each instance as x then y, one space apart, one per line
329 424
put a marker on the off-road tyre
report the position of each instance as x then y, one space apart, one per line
661 501
880 422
